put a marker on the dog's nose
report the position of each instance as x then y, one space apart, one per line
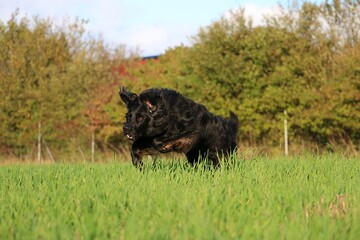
126 128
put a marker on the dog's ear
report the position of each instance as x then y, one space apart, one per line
150 106
126 96
151 99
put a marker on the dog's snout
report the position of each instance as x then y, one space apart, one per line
127 128
129 132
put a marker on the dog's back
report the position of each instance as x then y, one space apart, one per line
202 130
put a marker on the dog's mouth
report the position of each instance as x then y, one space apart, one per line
130 137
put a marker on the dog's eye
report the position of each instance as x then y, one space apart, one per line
139 118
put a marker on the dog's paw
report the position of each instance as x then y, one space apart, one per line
162 147
137 163
166 148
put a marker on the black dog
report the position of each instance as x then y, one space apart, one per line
166 121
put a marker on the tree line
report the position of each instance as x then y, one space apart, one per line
51 74
304 60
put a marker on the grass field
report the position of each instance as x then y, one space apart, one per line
308 197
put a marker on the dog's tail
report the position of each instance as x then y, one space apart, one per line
233 122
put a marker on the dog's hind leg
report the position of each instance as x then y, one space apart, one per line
193 156
214 158
196 156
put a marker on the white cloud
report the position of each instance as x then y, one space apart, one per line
126 22
106 17
151 38
156 39
257 13
254 12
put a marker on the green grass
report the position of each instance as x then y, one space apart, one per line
305 197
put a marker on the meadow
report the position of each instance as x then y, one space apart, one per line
304 197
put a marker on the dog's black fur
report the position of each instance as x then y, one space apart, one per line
166 121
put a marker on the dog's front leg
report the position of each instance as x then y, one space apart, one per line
136 157
140 148
161 146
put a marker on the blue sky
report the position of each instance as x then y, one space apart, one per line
150 26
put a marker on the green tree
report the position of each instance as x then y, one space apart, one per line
48 75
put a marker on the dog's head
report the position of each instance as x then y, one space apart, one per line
145 117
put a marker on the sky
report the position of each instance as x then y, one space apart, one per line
149 26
